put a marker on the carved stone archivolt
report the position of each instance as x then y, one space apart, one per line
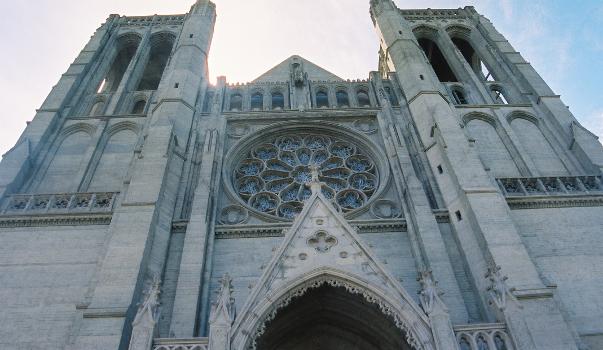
234 215
386 209
418 339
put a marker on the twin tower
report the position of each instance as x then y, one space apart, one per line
449 201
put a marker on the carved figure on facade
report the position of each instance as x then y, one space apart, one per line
498 290
430 295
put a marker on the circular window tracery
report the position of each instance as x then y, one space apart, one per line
274 177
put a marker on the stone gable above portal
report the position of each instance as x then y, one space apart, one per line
283 71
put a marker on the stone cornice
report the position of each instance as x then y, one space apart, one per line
544 202
309 114
279 229
55 220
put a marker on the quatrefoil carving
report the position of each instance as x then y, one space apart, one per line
322 241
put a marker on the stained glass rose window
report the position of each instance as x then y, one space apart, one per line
274 177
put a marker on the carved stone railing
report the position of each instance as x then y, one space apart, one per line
421 14
181 344
62 203
551 186
491 336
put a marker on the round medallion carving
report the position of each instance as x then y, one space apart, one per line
386 209
233 215
274 176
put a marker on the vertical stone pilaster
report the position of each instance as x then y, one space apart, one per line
187 300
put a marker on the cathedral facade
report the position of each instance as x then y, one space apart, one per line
449 201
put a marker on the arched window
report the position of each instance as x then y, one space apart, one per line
278 100
97 109
437 60
139 107
363 99
127 46
478 66
498 96
236 102
322 99
391 95
161 49
342 99
257 101
459 96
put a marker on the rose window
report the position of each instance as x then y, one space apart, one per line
275 177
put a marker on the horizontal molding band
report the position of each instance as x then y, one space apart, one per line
55 220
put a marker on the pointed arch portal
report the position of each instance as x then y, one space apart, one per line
330 317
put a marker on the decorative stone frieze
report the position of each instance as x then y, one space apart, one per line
61 203
551 186
55 220
181 344
552 192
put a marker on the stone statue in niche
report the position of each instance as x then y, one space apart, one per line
386 209
297 74
233 215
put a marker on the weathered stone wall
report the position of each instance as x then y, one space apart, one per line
44 273
567 247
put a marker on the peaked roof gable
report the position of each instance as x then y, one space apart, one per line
320 243
282 72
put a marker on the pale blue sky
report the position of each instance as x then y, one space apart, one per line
563 40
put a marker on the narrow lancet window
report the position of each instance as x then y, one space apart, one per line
161 49
342 99
437 60
257 101
236 102
278 101
322 99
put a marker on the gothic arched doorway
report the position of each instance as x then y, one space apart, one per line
331 318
